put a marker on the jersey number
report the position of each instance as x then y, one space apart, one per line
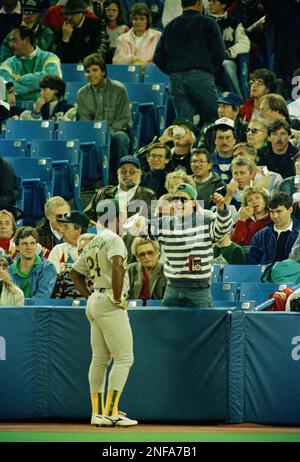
94 266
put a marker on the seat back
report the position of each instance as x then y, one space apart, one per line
242 273
73 72
94 138
67 164
135 129
258 291
124 72
224 291
72 89
28 129
63 302
13 148
152 74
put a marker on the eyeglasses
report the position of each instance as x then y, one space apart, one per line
253 130
111 10
131 171
59 216
257 82
180 199
198 162
149 253
157 156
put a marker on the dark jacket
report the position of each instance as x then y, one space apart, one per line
91 37
157 283
155 180
278 163
190 41
8 187
206 189
109 192
264 244
46 238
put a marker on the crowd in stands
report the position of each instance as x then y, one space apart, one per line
231 147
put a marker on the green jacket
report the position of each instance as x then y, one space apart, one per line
26 72
44 39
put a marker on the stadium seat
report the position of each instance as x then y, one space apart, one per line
28 129
72 88
124 72
244 305
134 303
37 185
243 73
242 273
94 138
63 302
153 302
67 163
13 148
152 74
224 291
73 72
153 107
216 275
135 129
258 291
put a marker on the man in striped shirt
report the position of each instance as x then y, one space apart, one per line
187 238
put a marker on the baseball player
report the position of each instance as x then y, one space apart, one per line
103 260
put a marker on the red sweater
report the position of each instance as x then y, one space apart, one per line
245 230
246 110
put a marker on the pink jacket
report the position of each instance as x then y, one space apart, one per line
126 50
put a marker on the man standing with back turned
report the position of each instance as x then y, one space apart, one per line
191 50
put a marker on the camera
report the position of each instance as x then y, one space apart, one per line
295 304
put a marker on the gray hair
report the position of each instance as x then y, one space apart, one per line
141 241
53 202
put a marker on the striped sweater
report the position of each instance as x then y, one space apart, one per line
187 245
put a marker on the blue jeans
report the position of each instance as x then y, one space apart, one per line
119 147
231 76
187 296
194 92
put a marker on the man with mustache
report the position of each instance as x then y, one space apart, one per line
279 153
225 139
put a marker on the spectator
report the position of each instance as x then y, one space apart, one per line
253 215
115 23
55 19
49 230
235 39
242 175
262 83
173 179
207 182
51 104
231 252
183 134
11 295
36 277
279 153
7 230
158 157
43 36
10 17
172 9
80 35
73 224
273 107
225 139
191 51
291 184
263 178
8 188
128 192
105 99
257 132
146 276
275 241
12 110
28 65
137 46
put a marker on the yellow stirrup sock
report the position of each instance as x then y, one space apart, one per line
97 400
112 402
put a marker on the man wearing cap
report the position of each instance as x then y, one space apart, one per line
31 18
186 240
104 261
191 51
35 276
28 65
10 17
80 35
225 139
129 193
63 255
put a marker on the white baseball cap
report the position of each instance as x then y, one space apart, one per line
225 121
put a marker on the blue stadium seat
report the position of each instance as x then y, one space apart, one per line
67 163
216 275
153 302
37 185
152 74
124 72
13 148
236 304
135 129
243 73
242 273
28 129
153 107
224 291
258 291
73 72
72 89
134 303
94 138
63 302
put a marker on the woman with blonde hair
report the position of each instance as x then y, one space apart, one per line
177 177
11 295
